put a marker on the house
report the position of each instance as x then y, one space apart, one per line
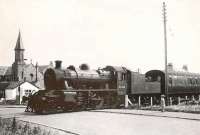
16 90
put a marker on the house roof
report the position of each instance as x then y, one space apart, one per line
42 68
3 70
3 85
13 85
38 84
9 71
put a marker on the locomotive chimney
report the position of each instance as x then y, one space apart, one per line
58 64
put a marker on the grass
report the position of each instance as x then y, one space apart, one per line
12 126
184 108
175 108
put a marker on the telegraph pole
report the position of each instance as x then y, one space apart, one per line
165 43
36 70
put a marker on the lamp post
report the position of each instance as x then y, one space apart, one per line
165 43
19 89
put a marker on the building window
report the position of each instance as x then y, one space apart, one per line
31 75
22 75
170 81
28 92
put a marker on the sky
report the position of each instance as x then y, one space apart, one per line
125 33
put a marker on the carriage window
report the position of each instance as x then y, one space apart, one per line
149 78
119 76
123 76
158 78
196 81
170 81
189 80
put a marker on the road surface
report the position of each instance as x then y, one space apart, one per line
114 122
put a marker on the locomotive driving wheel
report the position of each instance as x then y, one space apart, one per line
81 100
95 100
99 103
115 101
41 108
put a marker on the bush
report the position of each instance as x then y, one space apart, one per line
12 126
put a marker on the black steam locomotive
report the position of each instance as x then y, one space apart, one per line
80 88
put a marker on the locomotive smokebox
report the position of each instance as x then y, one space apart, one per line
58 64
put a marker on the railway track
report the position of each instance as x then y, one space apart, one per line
152 114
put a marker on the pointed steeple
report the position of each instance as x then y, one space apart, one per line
19 51
18 65
19 44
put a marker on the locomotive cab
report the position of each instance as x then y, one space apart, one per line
119 78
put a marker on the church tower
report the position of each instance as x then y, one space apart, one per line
18 65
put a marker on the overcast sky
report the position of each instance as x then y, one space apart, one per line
102 32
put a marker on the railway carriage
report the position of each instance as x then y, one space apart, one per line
180 83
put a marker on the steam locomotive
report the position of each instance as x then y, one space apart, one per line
81 88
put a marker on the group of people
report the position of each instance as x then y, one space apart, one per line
29 107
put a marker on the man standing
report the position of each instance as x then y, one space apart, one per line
162 103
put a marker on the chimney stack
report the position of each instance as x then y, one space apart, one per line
58 64
185 68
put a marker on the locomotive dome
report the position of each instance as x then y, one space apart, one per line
84 66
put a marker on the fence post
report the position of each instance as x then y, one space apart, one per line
179 100
151 101
186 97
192 97
126 101
170 100
139 101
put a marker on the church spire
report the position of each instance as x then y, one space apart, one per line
18 65
19 50
19 44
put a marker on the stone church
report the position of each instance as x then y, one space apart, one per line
21 72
